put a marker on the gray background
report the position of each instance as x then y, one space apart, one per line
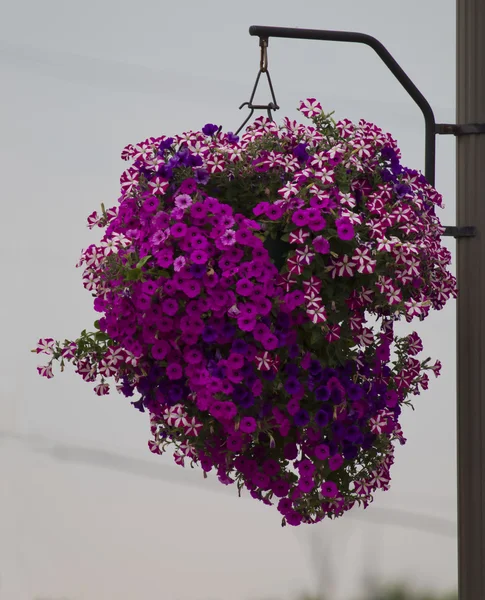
86 511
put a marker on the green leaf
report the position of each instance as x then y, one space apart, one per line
133 274
96 324
100 336
317 339
143 261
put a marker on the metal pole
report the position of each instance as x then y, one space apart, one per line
470 98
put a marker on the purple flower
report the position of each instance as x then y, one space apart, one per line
274 212
335 462
183 201
306 483
300 151
345 231
151 204
244 287
199 257
164 258
306 467
193 356
170 306
322 452
300 218
301 418
280 488
232 138
271 467
179 264
261 208
354 392
322 418
234 443
178 230
191 287
293 386
293 518
160 349
165 145
329 489
285 506
197 271
247 424
210 129
174 371
322 394
246 323
201 176
270 342
198 210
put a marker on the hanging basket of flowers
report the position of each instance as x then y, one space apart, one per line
249 288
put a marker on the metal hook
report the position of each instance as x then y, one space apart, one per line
263 63
263 68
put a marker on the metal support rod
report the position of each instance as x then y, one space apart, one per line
470 203
362 38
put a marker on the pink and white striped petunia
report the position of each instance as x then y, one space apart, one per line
377 424
263 361
394 296
313 300
363 260
158 185
413 308
310 107
46 371
366 337
298 236
45 346
105 369
129 180
345 267
215 164
304 255
294 266
317 315
313 285
154 446
333 334
380 479
179 458
285 281
362 487
69 351
102 389
175 416
193 427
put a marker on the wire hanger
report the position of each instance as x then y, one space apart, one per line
263 68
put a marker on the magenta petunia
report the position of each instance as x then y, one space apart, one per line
321 245
329 489
160 349
174 371
248 424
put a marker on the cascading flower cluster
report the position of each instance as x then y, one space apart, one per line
249 289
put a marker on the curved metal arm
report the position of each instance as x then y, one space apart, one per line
362 38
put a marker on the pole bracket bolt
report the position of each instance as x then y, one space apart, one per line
468 129
460 232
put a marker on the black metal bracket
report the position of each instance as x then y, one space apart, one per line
460 232
468 129
431 128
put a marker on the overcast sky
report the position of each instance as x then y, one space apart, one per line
87 513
